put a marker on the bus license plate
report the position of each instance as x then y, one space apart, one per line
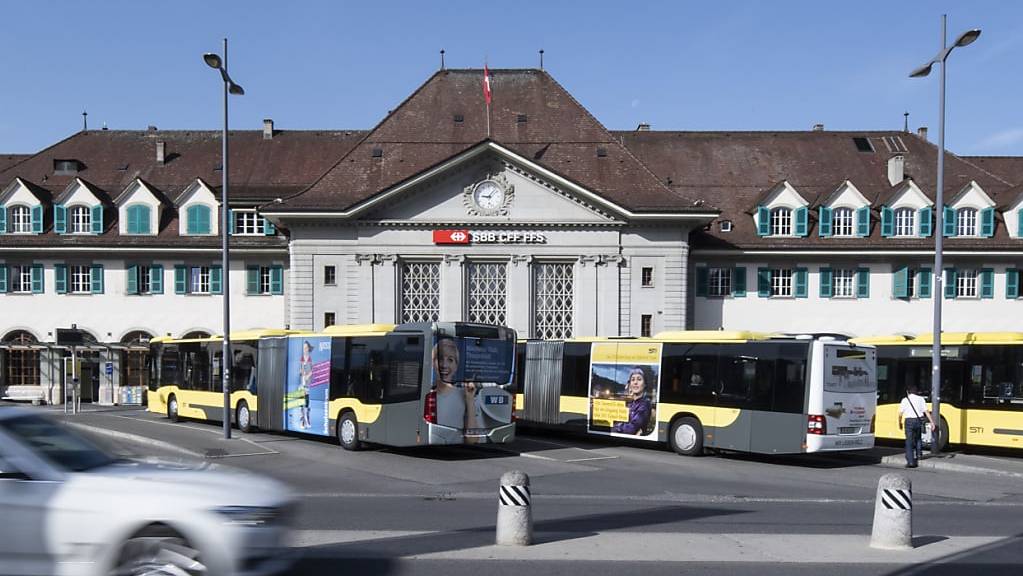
849 430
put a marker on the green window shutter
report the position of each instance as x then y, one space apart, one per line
987 283
59 218
97 219
3 279
826 283
764 282
900 283
950 282
277 279
800 282
133 280
987 222
37 279
702 275
37 219
887 222
824 222
198 219
863 222
230 221
134 217
1012 283
97 278
145 220
180 280
863 283
252 280
156 279
216 277
192 224
1019 223
923 282
802 215
950 221
3 219
926 225
60 278
763 221
739 282
268 228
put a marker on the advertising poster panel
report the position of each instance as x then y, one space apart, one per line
624 388
466 376
306 396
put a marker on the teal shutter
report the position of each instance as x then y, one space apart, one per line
926 224
252 280
59 218
863 222
950 282
1019 223
3 219
268 228
60 278
900 282
156 279
37 278
824 221
701 281
801 282
198 219
764 282
987 222
37 219
863 283
277 279
97 219
133 280
887 222
802 214
97 278
216 276
949 216
230 222
1012 283
987 283
923 282
826 289
180 280
739 282
763 221
134 218
3 278
192 225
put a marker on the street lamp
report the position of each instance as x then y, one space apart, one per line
214 61
965 39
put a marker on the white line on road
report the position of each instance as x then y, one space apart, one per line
264 452
593 458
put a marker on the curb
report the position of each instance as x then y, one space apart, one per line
136 439
898 461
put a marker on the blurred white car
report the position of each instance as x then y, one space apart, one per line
67 507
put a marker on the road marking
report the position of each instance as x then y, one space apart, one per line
593 458
538 457
266 451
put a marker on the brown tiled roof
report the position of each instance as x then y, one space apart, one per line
8 160
557 133
1009 168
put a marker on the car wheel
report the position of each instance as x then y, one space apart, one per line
243 417
172 408
348 432
686 436
160 552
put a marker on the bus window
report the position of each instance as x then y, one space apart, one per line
404 375
367 369
690 373
243 369
216 378
790 378
339 384
195 365
736 374
575 369
520 368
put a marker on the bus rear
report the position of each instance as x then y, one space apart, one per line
843 397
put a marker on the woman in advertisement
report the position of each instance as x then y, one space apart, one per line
638 399
452 399
305 369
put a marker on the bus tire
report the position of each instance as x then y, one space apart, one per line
348 432
172 408
942 434
243 417
686 436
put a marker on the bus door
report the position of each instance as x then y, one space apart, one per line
402 388
733 417
542 376
271 375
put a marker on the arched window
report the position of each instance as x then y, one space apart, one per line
781 222
842 221
966 222
198 219
905 222
134 359
195 334
81 219
139 219
22 365
21 219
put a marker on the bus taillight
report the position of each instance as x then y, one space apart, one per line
873 419
815 425
430 408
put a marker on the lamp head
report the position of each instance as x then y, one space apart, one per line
235 89
967 38
212 60
921 71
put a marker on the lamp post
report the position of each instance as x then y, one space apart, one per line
214 61
964 39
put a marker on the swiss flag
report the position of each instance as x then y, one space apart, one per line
486 84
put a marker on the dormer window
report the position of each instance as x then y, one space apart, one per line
138 219
966 222
905 222
842 221
65 167
781 222
81 219
21 220
198 216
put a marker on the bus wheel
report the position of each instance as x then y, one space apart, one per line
687 436
348 431
172 408
942 434
243 417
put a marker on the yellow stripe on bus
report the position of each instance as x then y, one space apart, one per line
708 415
364 413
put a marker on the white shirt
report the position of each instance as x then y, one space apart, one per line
910 403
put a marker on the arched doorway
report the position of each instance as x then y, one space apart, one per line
21 359
134 367
195 334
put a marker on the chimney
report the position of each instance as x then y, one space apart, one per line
922 132
268 129
818 127
644 127
896 169
161 152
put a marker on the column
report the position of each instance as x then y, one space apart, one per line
452 286
519 303
586 285
609 294
385 289
360 293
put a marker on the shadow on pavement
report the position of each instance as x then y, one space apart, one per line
1001 557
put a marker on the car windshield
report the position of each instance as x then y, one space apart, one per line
55 442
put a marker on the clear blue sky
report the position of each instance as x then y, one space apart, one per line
679 65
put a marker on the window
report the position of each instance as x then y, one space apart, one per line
81 220
198 219
145 279
553 301
199 280
21 219
81 279
329 275
966 222
912 286
719 282
138 219
645 322
328 319
248 223
781 282
781 222
966 284
488 288
905 222
843 283
647 276
21 279
22 359
842 222
264 280
420 291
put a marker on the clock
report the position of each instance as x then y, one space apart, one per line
491 195
488 196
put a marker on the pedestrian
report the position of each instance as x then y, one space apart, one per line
913 409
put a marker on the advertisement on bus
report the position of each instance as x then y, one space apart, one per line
624 387
306 397
850 390
467 376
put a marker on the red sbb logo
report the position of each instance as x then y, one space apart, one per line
451 237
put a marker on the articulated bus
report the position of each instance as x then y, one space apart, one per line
981 385
406 385
697 390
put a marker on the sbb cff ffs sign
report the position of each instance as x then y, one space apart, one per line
487 237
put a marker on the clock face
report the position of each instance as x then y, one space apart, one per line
488 195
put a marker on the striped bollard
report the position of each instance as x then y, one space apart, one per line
514 511
893 513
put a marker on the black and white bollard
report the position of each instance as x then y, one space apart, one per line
514 511
893 513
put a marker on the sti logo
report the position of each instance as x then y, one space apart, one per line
451 237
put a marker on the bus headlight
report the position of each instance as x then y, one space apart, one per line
249 515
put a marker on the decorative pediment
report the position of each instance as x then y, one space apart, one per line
908 195
973 196
138 191
846 196
79 192
21 191
783 194
197 191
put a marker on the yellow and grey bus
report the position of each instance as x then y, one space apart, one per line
697 390
404 385
981 389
